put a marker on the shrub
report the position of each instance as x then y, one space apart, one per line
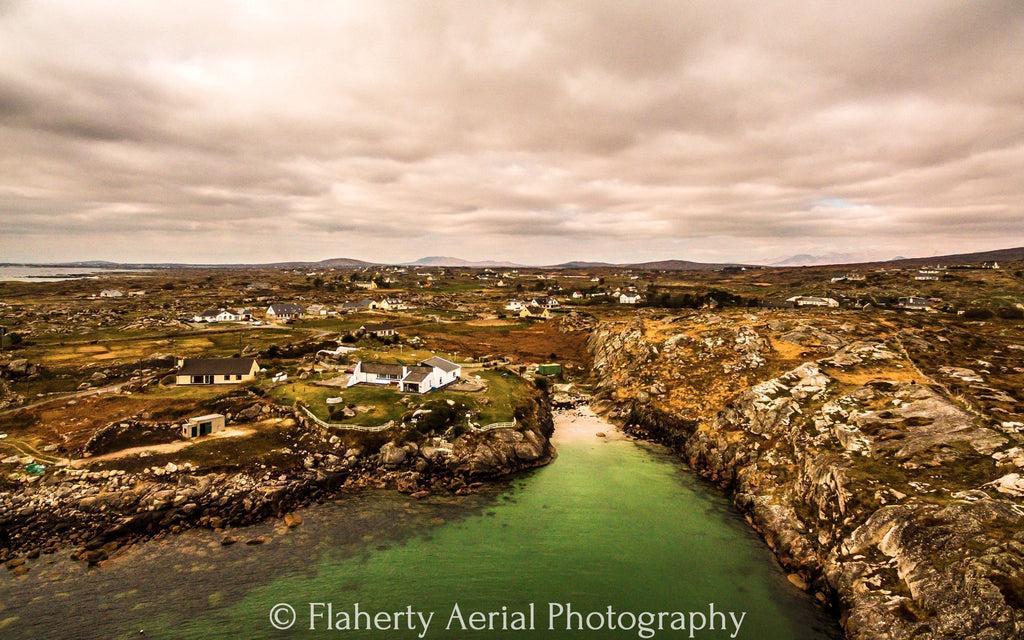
978 313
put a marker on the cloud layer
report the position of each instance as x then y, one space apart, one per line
529 131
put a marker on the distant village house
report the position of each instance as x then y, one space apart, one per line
382 330
285 310
813 301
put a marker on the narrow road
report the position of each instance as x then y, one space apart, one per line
22 448
113 388
170 447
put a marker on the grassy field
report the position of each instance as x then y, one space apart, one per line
206 343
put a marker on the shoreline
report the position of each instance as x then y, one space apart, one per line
97 513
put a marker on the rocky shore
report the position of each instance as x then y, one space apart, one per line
96 512
893 502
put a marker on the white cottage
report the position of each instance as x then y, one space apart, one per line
428 375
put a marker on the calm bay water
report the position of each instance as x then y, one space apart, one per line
12 273
609 523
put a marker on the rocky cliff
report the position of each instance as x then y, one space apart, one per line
892 500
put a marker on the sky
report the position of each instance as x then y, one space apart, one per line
535 132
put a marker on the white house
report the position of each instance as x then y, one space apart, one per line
629 298
285 310
382 330
813 301
515 305
316 310
428 375
222 315
365 285
576 295
111 293
393 304
545 303
216 370
914 302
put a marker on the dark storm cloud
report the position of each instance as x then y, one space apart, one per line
534 131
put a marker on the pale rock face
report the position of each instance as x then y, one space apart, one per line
878 494
1011 483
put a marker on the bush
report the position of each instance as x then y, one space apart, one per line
978 313
1010 313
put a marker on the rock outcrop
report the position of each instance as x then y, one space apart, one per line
878 492
91 509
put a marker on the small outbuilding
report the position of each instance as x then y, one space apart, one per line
203 425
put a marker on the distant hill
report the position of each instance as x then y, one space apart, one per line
580 264
808 260
661 265
681 265
345 262
448 261
999 255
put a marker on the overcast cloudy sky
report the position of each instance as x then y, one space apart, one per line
529 131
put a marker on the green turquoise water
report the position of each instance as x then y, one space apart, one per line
611 523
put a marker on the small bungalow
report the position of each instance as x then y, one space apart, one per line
813 301
216 370
515 305
629 298
285 310
203 425
222 315
382 330
915 303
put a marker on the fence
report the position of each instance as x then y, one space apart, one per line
338 425
496 425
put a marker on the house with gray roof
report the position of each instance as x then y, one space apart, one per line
285 310
216 371
428 375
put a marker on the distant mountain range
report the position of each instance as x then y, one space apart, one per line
448 261
836 259
807 260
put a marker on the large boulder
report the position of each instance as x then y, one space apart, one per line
392 455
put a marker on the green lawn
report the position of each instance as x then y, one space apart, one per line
504 393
